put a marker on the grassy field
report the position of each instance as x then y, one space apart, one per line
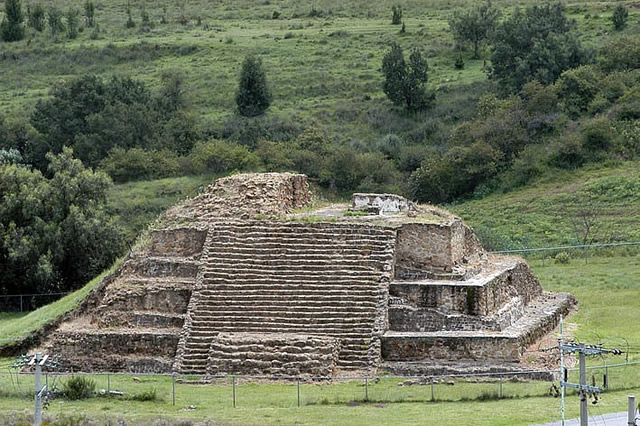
322 58
540 215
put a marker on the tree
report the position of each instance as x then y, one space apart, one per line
54 233
396 17
619 17
89 13
54 16
72 23
37 18
404 82
253 96
11 28
537 44
474 25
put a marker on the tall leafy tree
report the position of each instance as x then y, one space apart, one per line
474 25
54 233
404 81
253 96
11 28
538 43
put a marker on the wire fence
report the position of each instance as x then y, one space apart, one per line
27 302
564 253
291 391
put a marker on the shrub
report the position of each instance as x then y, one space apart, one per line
598 135
11 28
621 54
562 258
37 17
148 395
217 156
79 387
619 17
133 164
396 14
567 153
577 87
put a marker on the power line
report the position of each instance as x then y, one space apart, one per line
528 250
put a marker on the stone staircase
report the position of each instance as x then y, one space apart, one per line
290 279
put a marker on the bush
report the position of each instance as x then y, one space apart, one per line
562 258
577 87
619 17
621 54
148 395
79 387
137 164
218 156
598 135
567 153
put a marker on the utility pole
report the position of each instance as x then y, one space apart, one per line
38 360
583 389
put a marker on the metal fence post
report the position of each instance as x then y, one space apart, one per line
20 303
298 392
108 384
500 387
366 389
173 386
432 395
233 382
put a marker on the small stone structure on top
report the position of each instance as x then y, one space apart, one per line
236 281
381 204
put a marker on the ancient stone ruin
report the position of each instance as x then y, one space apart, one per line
248 278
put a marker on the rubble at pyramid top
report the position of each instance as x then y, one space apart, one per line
247 195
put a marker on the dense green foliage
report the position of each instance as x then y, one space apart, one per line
54 233
474 25
253 96
535 44
11 28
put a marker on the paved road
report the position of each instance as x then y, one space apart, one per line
613 419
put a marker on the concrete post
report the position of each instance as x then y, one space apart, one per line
631 419
37 414
584 414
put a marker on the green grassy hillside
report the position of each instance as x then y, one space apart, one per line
542 214
322 58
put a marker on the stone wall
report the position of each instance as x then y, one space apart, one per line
182 242
453 348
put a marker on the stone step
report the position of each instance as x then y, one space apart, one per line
295 254
342 333
238 300
309 290
301 238
294 326
301 311
328 247
257 268
267 281
291 275
211 323
296 264
291 228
